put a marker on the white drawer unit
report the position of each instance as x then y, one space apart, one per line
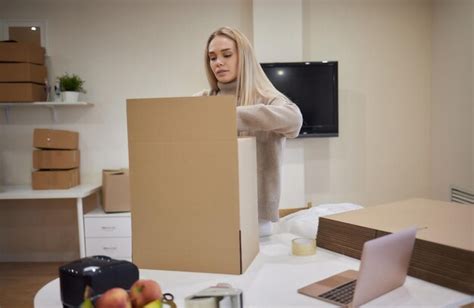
108 226
108 234
114 247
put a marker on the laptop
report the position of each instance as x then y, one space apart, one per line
383 267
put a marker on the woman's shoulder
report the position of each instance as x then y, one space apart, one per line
278 99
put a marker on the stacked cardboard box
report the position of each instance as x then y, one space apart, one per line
444 247
22 72
57 159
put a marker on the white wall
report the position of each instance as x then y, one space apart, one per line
384 53
123 49
452 100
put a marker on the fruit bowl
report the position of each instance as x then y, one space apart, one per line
143 294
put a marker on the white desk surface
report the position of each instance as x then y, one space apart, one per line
275 275
26 192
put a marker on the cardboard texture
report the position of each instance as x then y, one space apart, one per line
58 179
21 52
55 139
22 92
444 248
22 72
56 159
116 190
193 186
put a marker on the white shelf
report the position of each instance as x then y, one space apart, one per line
51 105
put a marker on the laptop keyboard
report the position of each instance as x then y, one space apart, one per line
342 294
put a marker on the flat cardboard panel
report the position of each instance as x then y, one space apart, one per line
170 120
437 216
116 190
443 250
22 72
58 179
56 159
21 52
247 149
22 92
55 139
184 180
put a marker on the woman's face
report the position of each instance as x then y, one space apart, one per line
223 59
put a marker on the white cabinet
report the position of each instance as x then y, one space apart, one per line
108 234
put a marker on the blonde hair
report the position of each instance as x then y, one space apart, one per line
252 83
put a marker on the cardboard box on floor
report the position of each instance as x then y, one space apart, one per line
444 248
116 190
193 186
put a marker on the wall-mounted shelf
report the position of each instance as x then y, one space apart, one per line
51 105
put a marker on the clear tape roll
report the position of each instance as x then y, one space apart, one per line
303 246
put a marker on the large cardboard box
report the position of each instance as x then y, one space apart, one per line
57 179
55 139
23 72
21 52
193 186
56 159
22 92
444 247
116 190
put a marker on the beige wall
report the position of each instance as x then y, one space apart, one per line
452 101
384 53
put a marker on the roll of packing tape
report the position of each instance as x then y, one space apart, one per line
303 246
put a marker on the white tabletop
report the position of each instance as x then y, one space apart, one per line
26 192
275 275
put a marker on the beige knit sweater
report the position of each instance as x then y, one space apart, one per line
271 122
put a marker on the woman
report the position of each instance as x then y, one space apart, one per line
262 111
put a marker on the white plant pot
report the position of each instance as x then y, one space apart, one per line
70 97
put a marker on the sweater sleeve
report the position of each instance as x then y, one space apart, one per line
280 116
202 93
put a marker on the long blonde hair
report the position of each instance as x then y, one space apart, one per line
252 83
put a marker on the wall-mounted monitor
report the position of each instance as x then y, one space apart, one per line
313 86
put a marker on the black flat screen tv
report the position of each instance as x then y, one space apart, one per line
313 86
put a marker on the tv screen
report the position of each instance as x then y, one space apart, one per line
313 86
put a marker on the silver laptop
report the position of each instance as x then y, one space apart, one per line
383 267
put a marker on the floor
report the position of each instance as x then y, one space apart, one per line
19 281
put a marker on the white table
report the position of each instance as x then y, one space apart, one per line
79 192
275 275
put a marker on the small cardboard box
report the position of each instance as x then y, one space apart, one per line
116 190
444 246
56 159
57 179
22 92
23 72
193 186
55 139
21 52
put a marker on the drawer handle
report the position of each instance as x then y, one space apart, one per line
109 248
108 228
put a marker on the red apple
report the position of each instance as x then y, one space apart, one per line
144 291
114 298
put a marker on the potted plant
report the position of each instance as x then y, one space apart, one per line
70 87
